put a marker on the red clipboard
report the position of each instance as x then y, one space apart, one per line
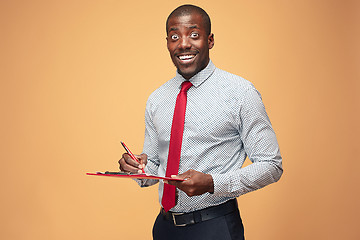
131 175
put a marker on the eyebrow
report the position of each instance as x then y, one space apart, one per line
173 29
194 26
191 27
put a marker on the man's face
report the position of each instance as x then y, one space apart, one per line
189 44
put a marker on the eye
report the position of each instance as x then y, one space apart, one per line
194 35
174 37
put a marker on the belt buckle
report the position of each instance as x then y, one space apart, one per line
174 219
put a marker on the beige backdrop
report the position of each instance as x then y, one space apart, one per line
75 76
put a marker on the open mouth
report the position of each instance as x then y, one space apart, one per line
186 58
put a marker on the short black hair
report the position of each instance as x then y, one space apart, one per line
188 9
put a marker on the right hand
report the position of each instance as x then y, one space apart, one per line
127 164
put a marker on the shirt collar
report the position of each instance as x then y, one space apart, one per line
200 77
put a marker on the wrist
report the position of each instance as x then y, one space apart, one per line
211 184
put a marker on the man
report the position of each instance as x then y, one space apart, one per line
224 121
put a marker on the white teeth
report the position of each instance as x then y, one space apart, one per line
186 57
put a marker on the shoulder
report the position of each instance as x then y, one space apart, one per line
163 89
233 84
162 92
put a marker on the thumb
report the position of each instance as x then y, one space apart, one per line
142 158
177 176
186 175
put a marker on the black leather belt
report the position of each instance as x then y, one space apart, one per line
183 219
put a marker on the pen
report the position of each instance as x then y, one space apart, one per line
131 154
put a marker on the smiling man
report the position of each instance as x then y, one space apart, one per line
188 41
200 127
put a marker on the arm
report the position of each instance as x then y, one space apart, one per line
261 147
259 143
148 161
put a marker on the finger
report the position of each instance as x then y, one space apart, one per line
178 177
131 161
174 183
183 176
120 167
142 158
178 184
125 167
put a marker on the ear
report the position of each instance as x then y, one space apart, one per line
211 41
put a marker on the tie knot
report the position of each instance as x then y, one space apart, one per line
185 86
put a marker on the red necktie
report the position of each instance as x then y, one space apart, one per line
177 129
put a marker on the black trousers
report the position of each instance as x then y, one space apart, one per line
228 227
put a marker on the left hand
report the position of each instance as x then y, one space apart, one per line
195 183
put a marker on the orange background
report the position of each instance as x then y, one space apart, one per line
75 76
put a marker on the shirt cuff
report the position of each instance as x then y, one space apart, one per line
221 184
147 182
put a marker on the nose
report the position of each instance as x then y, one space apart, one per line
184 43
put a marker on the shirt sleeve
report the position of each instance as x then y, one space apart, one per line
261 147
150 149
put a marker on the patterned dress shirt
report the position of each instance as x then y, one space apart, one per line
225 122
